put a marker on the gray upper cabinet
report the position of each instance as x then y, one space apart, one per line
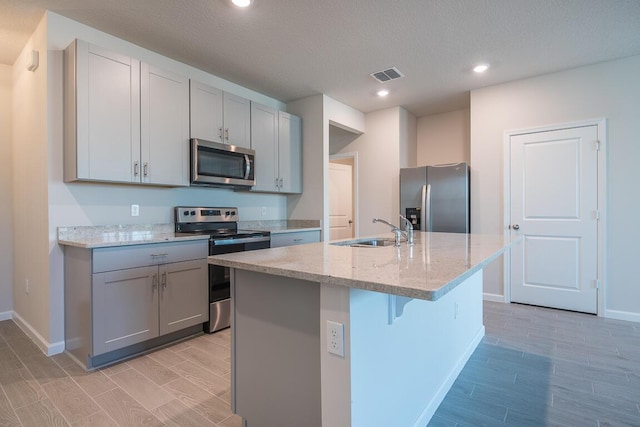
125 121
164 127
290 152
219 116
276 139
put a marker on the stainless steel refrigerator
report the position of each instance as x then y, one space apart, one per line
436 198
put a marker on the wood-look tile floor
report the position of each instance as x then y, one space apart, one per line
535 367
542 367
186 384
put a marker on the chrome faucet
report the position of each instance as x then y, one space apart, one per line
408 228
398 232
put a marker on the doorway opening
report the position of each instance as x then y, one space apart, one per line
343 194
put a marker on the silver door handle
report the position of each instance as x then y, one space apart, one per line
515 227
427 209
145 168
136 168
350 222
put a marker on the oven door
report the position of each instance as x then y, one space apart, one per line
224 165
220 280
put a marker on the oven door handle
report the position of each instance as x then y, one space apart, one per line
223 242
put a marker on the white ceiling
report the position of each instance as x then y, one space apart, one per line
290 49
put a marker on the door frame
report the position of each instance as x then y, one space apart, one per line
353 155
601 124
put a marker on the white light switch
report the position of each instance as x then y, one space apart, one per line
135 210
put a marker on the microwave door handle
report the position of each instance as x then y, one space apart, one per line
247 167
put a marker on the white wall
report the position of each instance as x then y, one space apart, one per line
408 139
6 179
38 184
320 114
30 209
610 90
378 169
444 138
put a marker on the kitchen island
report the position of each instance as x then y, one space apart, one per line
402 324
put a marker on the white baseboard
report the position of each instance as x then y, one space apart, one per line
493 297
622 315
47 348
6 315
432 407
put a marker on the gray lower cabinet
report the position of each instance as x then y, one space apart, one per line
123 300
294 238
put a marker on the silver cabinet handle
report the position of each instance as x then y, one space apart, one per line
226 134
164 280
157 255
136 168
220 133
145 169
281 182
515 227
277 181
154 282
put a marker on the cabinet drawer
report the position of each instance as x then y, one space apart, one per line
122 257
295 238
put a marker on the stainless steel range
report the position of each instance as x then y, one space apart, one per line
221 224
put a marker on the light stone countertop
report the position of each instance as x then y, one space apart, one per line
436 264
92 237
281 226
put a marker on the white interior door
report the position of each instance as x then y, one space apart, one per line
554 202
340 201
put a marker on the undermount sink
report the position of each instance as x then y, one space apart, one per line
366 243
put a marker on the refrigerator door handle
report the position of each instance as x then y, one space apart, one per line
425 217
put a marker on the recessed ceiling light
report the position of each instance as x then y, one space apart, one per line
383 93
242 3
481 68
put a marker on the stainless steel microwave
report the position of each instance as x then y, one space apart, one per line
221 165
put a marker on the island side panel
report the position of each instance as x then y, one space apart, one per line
276 350
402 370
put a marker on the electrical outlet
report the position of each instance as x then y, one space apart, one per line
264 210
335 338
26 286
135 210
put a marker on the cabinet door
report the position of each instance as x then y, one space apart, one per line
184 295
106 116
237 120
206 112
264 140
290 153
125 308
164 127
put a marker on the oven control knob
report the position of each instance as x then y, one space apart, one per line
226 213
233 212
193 213
185 213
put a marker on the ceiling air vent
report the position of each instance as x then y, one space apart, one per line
386 75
